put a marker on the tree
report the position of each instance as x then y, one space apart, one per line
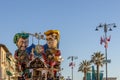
85 66
97 59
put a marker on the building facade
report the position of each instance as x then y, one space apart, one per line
7 68
3 51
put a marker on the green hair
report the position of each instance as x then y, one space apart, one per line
20 35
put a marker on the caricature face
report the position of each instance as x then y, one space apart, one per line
22 43
52 40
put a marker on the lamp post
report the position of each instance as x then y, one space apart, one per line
106 28
38 36
72 64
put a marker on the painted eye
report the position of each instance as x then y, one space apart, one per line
49 39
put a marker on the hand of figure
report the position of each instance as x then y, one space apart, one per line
22 57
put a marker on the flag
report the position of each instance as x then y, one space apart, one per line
71 64
108 39
105 40
101 40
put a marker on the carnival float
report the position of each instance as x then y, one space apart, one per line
38 61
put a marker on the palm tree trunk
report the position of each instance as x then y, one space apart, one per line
98 77
84 78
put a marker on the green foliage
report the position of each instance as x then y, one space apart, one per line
85 66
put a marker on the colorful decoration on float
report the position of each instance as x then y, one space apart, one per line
38 57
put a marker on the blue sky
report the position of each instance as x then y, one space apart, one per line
76 20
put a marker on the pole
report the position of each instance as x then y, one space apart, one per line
105 31
72 64
106 62
106 28
72 67
72 73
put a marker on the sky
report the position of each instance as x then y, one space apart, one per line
75 19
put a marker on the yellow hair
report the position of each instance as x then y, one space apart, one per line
49 32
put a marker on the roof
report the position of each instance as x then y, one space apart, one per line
6 49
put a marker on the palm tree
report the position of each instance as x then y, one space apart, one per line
97 59
85 66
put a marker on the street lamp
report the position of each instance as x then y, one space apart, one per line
71 63
38 36
106 28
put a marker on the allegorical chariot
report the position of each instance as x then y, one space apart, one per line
38 62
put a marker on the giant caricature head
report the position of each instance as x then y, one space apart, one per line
21 40
52 38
